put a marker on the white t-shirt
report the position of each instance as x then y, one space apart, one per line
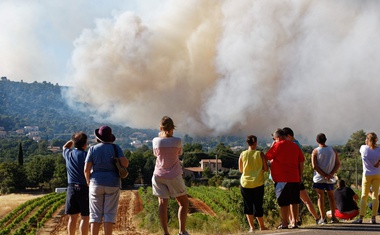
369 158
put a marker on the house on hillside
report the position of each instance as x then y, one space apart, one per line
196 172
3 134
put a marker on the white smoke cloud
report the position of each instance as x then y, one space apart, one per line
236 67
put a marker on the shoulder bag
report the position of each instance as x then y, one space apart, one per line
123 173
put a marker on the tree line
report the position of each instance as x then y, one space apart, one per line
27 164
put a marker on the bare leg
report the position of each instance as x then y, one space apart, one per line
284 210
260 220
321 202
83 226
183 203
307 201
294 210
330 195
95 228
163 213
251 222
71 225
108 227
292 217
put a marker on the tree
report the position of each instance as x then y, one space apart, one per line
20 155
356 140
40 170
12 177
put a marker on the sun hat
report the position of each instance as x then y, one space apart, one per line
104 134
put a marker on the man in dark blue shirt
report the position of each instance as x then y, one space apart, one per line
77 190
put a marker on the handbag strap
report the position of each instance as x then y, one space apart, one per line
114 148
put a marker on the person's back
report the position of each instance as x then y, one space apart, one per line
344 199
74 165
370 157
286 157
253 174
167 151
326 162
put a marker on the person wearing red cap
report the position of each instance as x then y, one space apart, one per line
103 179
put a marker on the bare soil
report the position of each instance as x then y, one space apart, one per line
130 204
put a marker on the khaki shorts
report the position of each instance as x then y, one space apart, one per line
103 203
166 188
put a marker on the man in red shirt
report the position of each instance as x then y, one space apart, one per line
286 164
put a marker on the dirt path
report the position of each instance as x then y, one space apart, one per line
129 205
196 205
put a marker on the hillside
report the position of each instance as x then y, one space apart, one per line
41 104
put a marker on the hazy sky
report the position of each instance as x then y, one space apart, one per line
217 66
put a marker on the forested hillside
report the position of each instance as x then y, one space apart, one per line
41 104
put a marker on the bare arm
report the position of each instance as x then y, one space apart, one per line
377 164
87 170
124 161
68 144
265 163
300 169
314 163
240 164
337 164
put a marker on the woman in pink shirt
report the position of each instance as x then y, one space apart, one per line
167 181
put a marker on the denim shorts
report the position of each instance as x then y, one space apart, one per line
323 186
77 200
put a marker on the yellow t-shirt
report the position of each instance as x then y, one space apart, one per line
253 173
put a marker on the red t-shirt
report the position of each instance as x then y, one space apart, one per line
286 157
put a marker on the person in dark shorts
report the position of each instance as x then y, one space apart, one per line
285 156
325 163
77 190
289 134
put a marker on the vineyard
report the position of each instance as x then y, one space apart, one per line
212 210
31 215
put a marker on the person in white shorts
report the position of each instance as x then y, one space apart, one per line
167 181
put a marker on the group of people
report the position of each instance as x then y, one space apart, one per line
286 163
94 183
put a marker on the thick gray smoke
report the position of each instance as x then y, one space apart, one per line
236 67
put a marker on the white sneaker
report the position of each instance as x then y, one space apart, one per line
185 233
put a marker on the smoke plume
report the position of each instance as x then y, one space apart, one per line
236 67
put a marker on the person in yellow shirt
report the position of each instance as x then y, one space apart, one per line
252 164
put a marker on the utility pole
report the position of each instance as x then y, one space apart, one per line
216 156
356 170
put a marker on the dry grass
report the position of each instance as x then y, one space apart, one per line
11 201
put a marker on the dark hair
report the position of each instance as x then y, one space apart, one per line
251 140
79 139
279 132
341 183
321 138
288 131
167 124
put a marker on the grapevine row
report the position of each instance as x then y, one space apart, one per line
16 216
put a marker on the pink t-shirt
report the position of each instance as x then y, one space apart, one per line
167 151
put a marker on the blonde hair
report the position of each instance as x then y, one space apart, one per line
372 139
167 124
